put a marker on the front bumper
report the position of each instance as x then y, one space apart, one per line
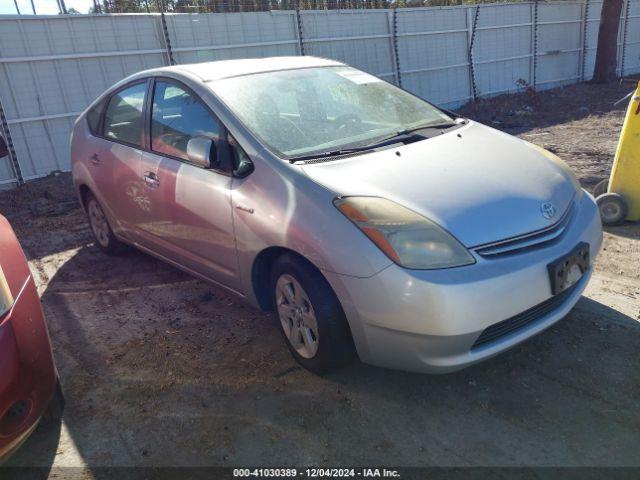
428 320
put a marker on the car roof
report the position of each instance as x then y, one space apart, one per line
210 71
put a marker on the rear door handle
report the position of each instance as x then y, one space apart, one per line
95 159
151 179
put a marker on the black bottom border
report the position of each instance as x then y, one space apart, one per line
397 473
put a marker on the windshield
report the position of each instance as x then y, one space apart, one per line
313 110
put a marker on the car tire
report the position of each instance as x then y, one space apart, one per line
99 224
309 316
613 208
601 188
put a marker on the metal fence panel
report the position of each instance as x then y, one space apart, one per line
559 52
593 9
433 53
42 146
7 176
503 48
631 35
51 67
361 38
204 37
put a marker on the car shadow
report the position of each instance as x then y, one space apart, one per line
160 369
46 215
75 349
132 336
548 396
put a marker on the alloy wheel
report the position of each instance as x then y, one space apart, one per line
99 224
297 316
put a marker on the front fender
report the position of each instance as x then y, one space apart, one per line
279 206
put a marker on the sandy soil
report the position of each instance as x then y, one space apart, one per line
162 369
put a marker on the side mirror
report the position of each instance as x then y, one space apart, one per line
244 168
201 151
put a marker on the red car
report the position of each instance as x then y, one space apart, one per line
28 377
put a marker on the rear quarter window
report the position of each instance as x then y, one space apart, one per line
93 117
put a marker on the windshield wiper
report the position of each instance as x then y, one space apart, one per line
407 132
332 153
401 135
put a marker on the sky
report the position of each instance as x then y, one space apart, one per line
43 7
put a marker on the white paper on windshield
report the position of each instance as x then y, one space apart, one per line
359 78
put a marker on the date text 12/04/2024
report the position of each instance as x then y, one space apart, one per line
316 472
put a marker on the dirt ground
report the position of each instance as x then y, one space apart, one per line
160 369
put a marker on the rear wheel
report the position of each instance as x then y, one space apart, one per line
310 317
105 239
613 208
601 188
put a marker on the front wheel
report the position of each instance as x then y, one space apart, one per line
310 317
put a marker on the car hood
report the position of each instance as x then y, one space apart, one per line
480 184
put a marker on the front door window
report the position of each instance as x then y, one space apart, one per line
178 116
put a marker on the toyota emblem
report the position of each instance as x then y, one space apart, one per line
548 210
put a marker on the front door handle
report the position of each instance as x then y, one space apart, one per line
151 180
95 159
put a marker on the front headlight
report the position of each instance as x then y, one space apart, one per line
6 299
409 239
561 163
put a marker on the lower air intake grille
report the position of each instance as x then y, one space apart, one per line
521 320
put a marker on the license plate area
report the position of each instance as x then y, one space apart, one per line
568 269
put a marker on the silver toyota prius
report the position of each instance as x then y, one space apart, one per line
372 223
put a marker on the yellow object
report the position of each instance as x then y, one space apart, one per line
625 174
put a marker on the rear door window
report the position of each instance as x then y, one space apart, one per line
124 117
